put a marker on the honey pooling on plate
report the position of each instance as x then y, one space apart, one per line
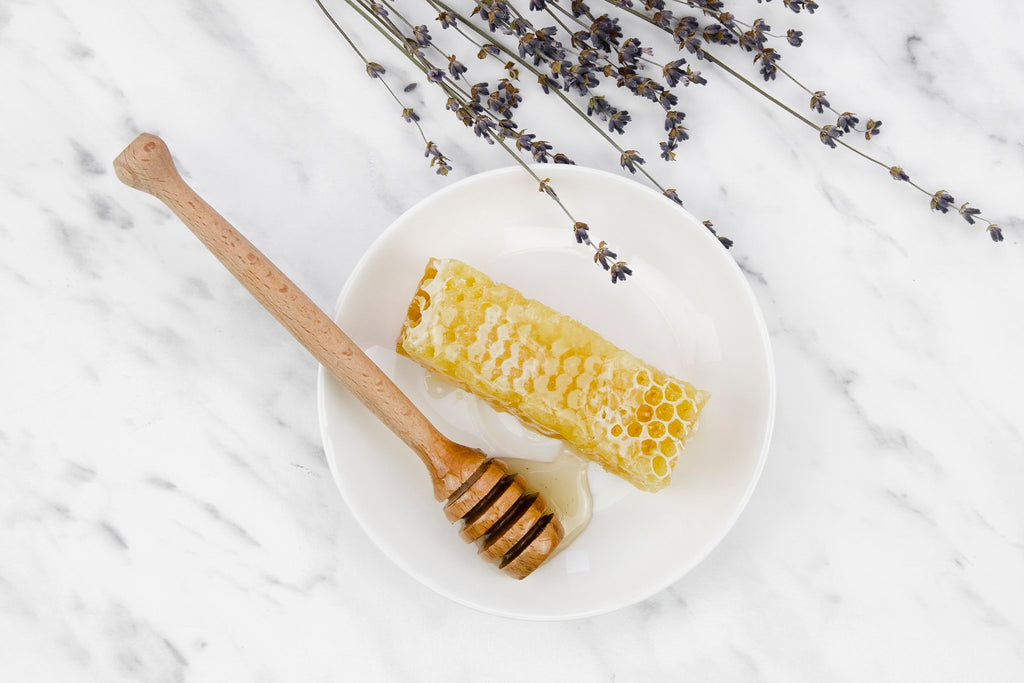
551 371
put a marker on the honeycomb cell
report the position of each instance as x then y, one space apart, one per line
574 399
644 413
660 466
664 412
656 430
654 396
673 392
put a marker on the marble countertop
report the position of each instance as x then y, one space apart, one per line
166 511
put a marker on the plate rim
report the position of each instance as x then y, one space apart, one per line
739 506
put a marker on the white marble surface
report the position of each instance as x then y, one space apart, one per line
166 513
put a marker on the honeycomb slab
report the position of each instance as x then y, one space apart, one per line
551 371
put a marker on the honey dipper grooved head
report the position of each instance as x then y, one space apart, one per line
512 526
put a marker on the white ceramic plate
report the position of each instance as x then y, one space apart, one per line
687 310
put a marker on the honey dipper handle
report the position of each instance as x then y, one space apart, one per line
146 165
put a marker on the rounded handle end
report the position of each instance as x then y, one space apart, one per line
145 163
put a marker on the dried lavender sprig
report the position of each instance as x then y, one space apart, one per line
376 71
603 255
628 158
831 134
940 201
409 47
646 87
485 119
754 40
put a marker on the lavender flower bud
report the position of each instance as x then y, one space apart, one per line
619 271
847 121
617 121
968 213
942 201
539 149
668 149
673 119
767 56
421 35
629 160
488 49
819 102
662 17
673 72
483 126
448 19
694 77
897 173
524 140
598 105
603 254
667 99
719 34
829 135
456 68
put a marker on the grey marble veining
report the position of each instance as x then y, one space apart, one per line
166 512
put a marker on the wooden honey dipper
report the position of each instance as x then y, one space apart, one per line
513 527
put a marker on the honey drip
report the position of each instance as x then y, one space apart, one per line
563 484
